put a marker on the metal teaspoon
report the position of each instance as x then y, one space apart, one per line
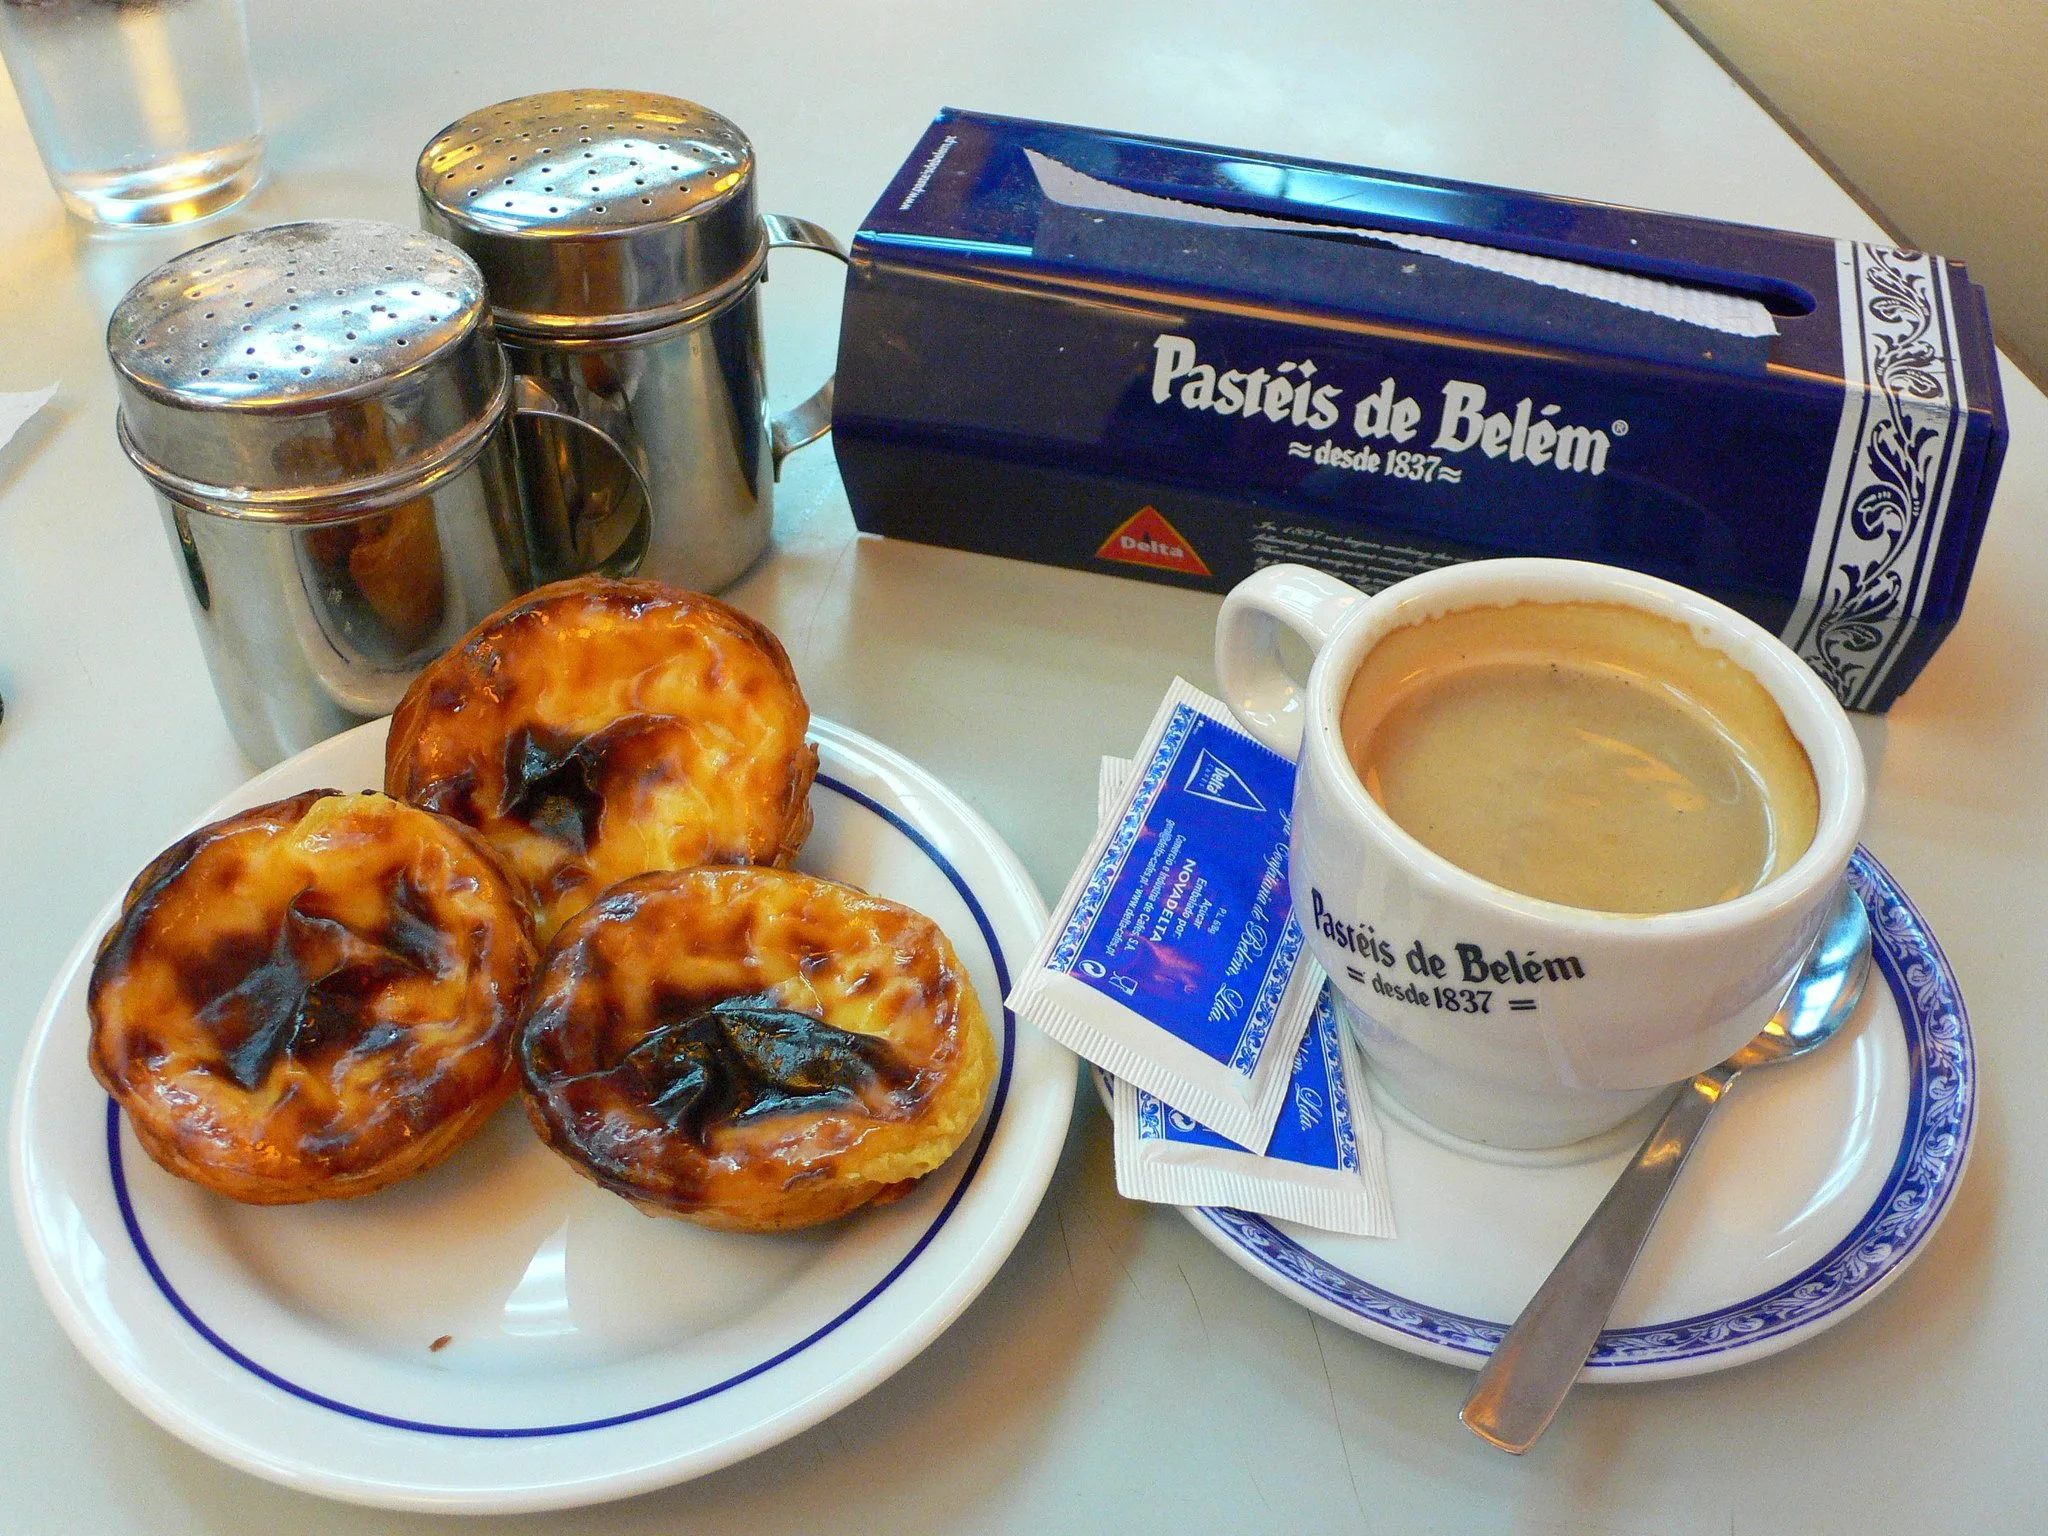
1533 1368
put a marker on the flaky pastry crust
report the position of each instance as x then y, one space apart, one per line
598 729
753 1049
312 999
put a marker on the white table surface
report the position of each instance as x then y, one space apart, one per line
1119 1374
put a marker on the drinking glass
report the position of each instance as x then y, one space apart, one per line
144 110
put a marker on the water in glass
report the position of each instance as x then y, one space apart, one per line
144 110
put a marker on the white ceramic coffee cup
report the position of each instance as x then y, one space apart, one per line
1608 1009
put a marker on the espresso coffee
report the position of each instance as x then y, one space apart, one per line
1586 753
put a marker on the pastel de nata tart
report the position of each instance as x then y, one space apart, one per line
597 729
313 999
753 1049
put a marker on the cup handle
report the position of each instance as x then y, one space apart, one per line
811 417
530 397
1265 699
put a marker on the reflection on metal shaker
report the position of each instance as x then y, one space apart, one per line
622 248
323 411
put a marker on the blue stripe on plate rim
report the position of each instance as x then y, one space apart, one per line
1941 1113
212 1336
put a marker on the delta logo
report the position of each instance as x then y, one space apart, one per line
1147 538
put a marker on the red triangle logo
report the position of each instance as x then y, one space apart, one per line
1147 538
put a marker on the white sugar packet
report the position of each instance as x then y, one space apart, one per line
1173 961
1325 1163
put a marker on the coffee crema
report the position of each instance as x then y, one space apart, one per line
1585 753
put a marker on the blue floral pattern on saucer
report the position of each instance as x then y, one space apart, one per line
1940 1116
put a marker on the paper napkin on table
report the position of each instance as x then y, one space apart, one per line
15 410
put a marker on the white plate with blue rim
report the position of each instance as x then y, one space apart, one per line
498 1334
1811 1190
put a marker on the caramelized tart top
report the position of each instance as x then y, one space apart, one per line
753 1048
598 729
312 998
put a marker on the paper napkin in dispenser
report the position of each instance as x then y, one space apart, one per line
1454 283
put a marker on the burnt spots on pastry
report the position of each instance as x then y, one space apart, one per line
753 1048
224 955
746 1058
410 930
598 729
553 783
278 1007
314 994
313 998
312 991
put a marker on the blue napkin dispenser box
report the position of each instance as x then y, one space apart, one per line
1181 363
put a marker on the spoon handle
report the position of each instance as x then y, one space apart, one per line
1535 1365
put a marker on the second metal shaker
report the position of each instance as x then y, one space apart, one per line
622 249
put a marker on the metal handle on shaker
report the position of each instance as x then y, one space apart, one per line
530 397
810 418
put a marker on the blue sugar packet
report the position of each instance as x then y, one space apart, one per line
1174 961
1324 1165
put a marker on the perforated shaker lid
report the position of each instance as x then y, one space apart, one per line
285 372
597 212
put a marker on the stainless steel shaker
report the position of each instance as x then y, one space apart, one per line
623 250
322 410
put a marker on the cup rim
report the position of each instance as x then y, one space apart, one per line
1817 720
